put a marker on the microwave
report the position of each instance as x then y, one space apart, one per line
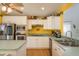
20 28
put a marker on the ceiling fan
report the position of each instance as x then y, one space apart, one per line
18 7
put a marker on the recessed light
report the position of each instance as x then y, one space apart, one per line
43 8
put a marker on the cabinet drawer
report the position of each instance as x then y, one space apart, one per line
55 53
57 49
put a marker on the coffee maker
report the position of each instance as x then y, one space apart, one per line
57 33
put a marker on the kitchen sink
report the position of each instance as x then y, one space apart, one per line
72 43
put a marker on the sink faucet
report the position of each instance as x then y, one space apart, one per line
70 37
70 33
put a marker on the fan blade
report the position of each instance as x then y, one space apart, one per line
12 7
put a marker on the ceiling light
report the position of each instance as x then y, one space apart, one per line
4 8
22 8
9 10
43 8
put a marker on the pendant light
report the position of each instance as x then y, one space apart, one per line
4 8
9 10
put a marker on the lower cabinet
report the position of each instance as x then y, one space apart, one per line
14 52
37 42
57 49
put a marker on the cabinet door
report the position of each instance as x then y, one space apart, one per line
31 42
43 42
48 24
35 22
60 51
29 26
55 53
56 49
37 42
57 22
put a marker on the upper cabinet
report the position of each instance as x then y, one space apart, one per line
36 17
48 23
35 22
19 20
51 22
57 22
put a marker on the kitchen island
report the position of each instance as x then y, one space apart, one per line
13 47
62 50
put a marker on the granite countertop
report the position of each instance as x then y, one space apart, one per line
69 50
11 44
57 38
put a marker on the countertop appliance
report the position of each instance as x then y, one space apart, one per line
21 37
57 34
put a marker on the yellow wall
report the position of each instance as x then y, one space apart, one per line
64 7
61 23
0 19
41 31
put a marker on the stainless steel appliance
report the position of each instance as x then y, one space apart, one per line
20 37
20 32
10 31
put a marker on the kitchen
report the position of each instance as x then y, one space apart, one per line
31 30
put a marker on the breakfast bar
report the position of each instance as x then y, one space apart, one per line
13 47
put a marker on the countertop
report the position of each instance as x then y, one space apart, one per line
69 51
58 38
11 44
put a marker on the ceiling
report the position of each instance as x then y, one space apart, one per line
34 9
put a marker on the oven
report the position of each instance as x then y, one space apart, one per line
20 37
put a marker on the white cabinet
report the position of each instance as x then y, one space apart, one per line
57 49
57 22
34 22
29 26
52 22
20 20
15 52
48 23
37 21
37 42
